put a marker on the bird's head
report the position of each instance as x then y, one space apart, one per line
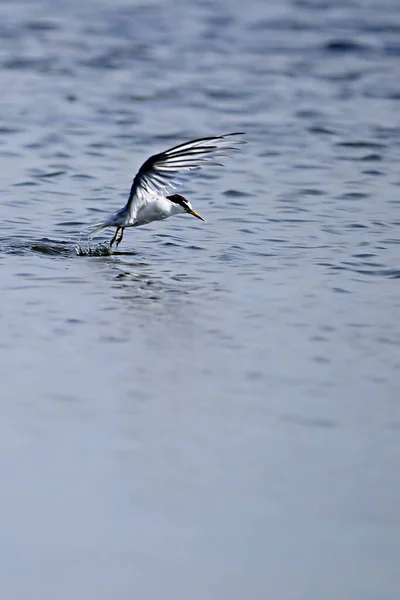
184 204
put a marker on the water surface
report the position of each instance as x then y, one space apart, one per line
212 411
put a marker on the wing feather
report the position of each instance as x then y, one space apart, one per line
163 171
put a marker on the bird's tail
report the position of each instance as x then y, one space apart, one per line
96 227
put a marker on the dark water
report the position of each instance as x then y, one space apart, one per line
213 412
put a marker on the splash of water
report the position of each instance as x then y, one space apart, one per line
89 250
86 248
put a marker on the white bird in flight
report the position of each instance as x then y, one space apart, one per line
148 201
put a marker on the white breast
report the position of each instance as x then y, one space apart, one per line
156 209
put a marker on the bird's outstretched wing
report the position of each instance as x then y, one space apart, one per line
161 171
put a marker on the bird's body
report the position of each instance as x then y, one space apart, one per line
156 208
148 201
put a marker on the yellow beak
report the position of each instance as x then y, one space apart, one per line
195 214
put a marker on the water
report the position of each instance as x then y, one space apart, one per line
212 411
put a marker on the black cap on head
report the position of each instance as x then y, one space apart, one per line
178 199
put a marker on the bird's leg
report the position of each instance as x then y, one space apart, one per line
121 235
114 237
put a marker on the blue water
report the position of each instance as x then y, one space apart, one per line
213 411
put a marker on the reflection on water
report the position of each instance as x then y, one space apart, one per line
42 246
210 411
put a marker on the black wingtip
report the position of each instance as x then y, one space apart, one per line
225 135
234 133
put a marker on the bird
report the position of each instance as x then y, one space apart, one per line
149 198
